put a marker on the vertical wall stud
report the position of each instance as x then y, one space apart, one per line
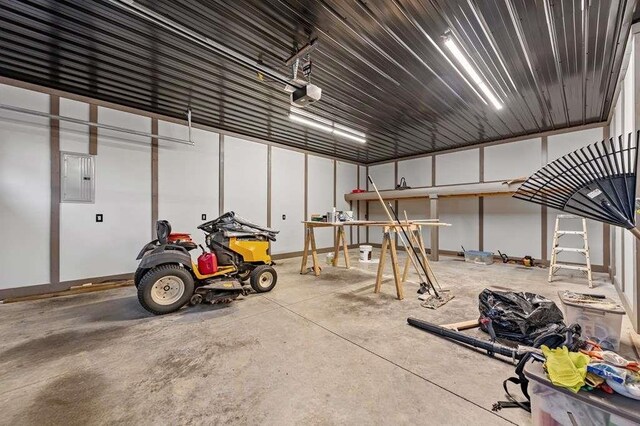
221 176
544 149
435 235
606 228
93 131
269 186
154 176
306 186
481 202
54 241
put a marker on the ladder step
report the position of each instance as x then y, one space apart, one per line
570 249
565 266
571 233
568 216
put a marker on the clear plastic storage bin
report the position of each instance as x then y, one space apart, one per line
554 406
601 323
480 257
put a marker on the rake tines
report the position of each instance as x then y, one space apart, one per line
597 182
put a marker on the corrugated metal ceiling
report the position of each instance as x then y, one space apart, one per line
381 65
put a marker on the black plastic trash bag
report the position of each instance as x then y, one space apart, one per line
520 317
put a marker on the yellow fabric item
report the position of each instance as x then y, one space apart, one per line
566 369
593 380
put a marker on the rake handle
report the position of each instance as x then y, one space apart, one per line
636 232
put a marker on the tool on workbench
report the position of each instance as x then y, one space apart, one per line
597 182
426 285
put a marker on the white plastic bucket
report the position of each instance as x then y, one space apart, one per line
330 258
365 253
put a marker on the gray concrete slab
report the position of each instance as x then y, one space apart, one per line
316 350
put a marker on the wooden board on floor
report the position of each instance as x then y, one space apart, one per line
463 325
70 292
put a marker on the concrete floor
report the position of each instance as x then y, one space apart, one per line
313 351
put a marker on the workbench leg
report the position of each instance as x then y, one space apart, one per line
433 208
305 252
405 274
396 269
336 245
383 256
345 249
314 253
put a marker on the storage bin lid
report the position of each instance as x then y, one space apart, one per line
614 404
603 305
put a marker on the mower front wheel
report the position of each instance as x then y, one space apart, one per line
165 289
263 278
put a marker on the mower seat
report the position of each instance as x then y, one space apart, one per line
163 229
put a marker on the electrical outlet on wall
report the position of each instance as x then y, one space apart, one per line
99 217
204 216
284 217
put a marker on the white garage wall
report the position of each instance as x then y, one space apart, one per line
320 187
245 179
287 198
458 167
362 205
188 179
506 217
25 177
463 215
416 171
417 209
346 181
383 176
564 143
512 160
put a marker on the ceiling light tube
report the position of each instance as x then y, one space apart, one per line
347 129
310 123
349 136
475 77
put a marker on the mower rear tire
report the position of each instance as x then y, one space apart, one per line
165 289
263 278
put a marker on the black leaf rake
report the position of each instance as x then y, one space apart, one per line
597 182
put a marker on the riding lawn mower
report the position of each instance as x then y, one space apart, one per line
167 278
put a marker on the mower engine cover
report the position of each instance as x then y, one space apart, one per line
521 317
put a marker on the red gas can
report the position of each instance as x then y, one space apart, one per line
207 263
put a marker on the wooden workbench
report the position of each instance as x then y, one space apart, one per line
412 226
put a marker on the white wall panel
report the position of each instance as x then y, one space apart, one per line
416 171
245 179
183 197
362 206
123 196
462 214
417 209
346 181
376 212
564 143
458 167
618 117
629 97
512 160
320 194
619 272
383 176
287 198
512 226
74 137
25 188
629 265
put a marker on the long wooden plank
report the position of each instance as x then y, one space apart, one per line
71 292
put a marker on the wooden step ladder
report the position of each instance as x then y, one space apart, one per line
556 249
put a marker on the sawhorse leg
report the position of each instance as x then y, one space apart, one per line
310 240
341 241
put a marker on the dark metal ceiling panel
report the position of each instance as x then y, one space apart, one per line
381 64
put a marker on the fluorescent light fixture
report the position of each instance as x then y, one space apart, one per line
310 123
308 119
349 136
475 77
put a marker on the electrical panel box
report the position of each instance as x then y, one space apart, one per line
77 178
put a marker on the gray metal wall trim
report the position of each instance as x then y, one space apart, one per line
93 131
54 238
269 186
544 150
606 228
633 31
635 320
481 202
154 177
118 107
623 280
500 142
33 290
221 176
